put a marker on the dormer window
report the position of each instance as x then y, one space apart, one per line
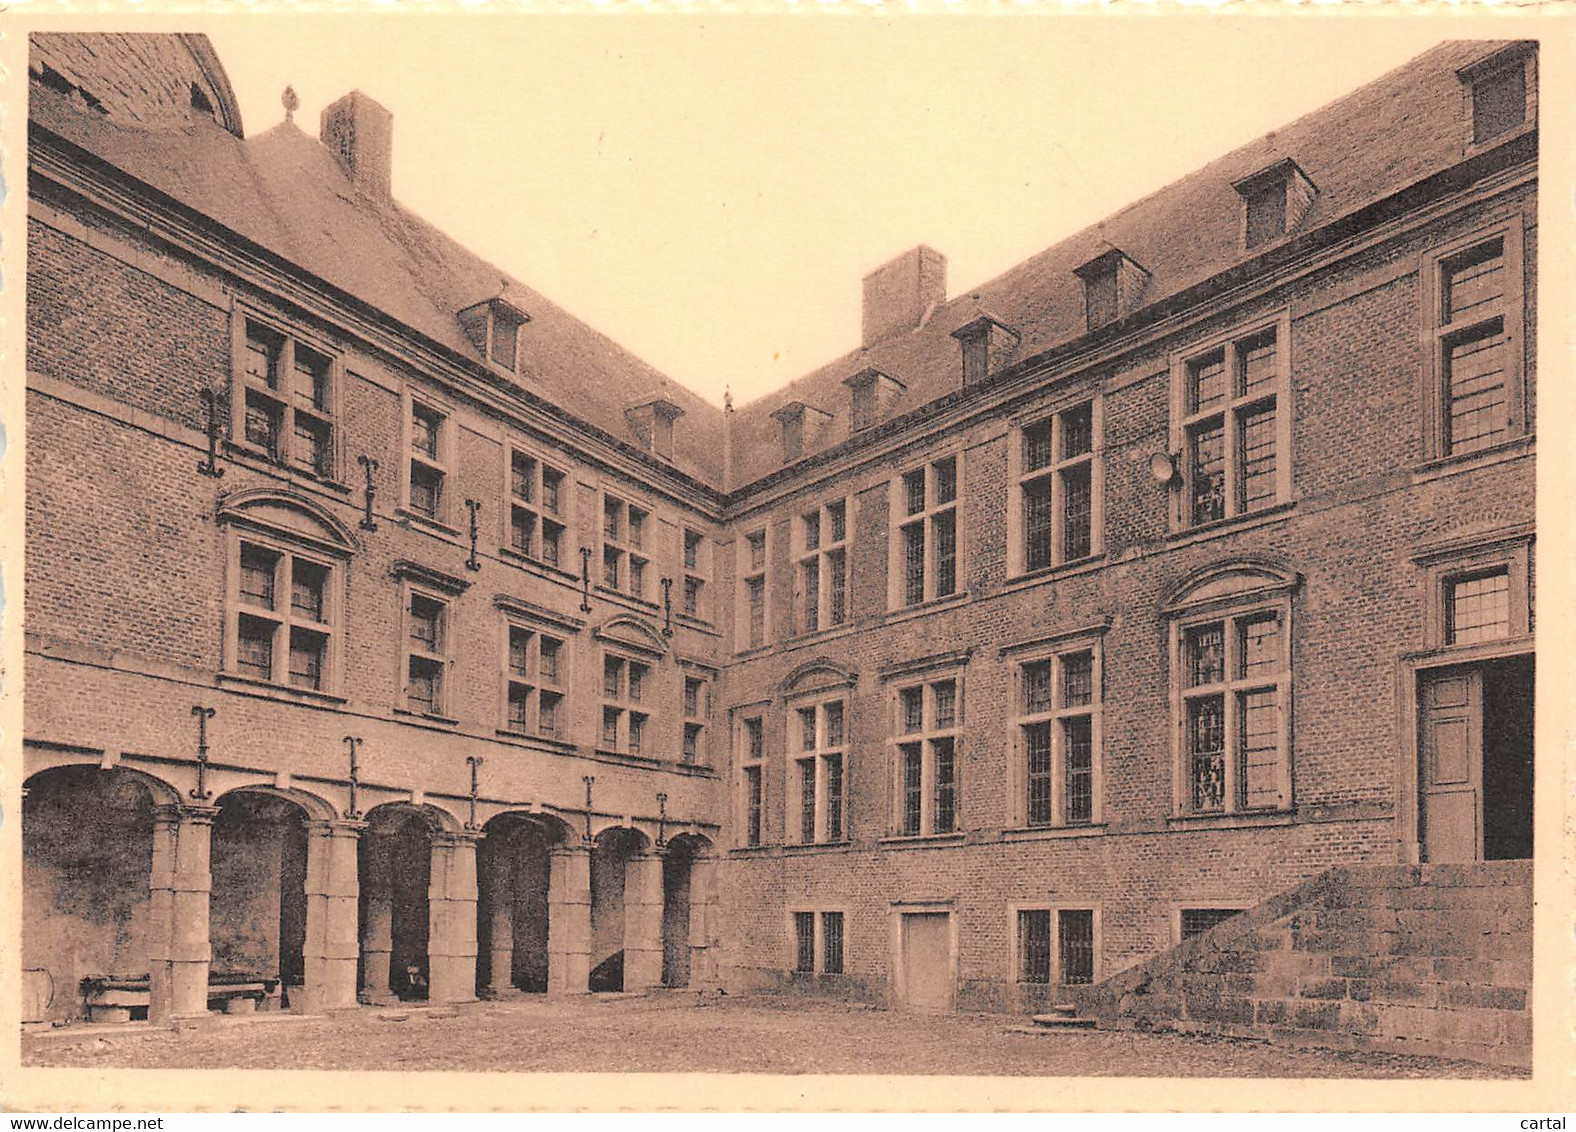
1501 93
988 344
493 327
652 423
1113 286
872 394
802 426
1274 201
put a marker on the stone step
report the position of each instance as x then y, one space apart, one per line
1062 1022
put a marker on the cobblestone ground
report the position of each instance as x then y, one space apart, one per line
672 1033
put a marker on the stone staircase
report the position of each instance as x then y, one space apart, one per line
1433 960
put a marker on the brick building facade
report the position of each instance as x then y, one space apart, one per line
400 635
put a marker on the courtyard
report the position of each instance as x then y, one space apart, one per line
681 1032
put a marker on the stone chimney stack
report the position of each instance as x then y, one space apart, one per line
361 134
898 295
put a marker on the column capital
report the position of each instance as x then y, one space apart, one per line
568 849
336 827
171 814
455 838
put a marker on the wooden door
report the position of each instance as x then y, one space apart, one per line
927 960
1450 794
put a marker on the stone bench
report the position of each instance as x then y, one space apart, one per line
113 998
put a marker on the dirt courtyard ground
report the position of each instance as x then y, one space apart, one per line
665 1033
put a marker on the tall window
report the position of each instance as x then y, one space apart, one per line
821 596
1476 394
1058 725
626 715
752 601
1233 675
925 530
695 601
535 679
283 616
817 744
285 398
1059 488
697 717
929 719
538 507
426 652
752 758
1232 425
429 446
1056 946
624 556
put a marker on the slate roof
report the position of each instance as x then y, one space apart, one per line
285 191
1383 137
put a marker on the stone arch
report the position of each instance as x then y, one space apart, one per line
161 790
818 672
434 818
631 632
288 514
395 871
1234 580
688 897
312 807
515 862
626 879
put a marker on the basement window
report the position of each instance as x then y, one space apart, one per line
818 943
1056 946
1197 921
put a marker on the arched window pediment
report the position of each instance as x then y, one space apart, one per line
290 516
1242 579
631 632
817 674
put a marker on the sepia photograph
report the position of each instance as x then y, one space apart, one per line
757 545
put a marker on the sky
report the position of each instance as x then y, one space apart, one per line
710 191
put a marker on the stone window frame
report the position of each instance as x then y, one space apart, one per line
444 463
628 550
287 551
819 756
627 706
1438 335
242 385
536 507
817 913
747 759
748 572
899 519
1523 55
1185 421
697 574
698 722
428 586
1055 908
1509 551
1021 479
1231 594
539 685
820 556
1055 650
924 679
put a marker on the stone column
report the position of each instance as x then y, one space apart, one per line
702 928
569 919
377 938
501 885
332 891
451 918
178 887
642 921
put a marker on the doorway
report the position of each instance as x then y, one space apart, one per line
925 942
1476 754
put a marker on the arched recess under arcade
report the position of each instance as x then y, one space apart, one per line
626 912
514 873
418 894
688 897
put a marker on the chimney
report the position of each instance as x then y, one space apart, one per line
898 294
361 134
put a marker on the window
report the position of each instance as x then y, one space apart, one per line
624 557
285 398
752 569
283 616
695 601
504 336
697 715
1197 921
429 444
821 596
752 756
864 405
426 652
1475 393
1060 484
929 721
1056 946
1232 425
1274 201
925 526
626 716
1501 93
1233 678
1058 726
816 744
537 513
818 936
535 679
1478 590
